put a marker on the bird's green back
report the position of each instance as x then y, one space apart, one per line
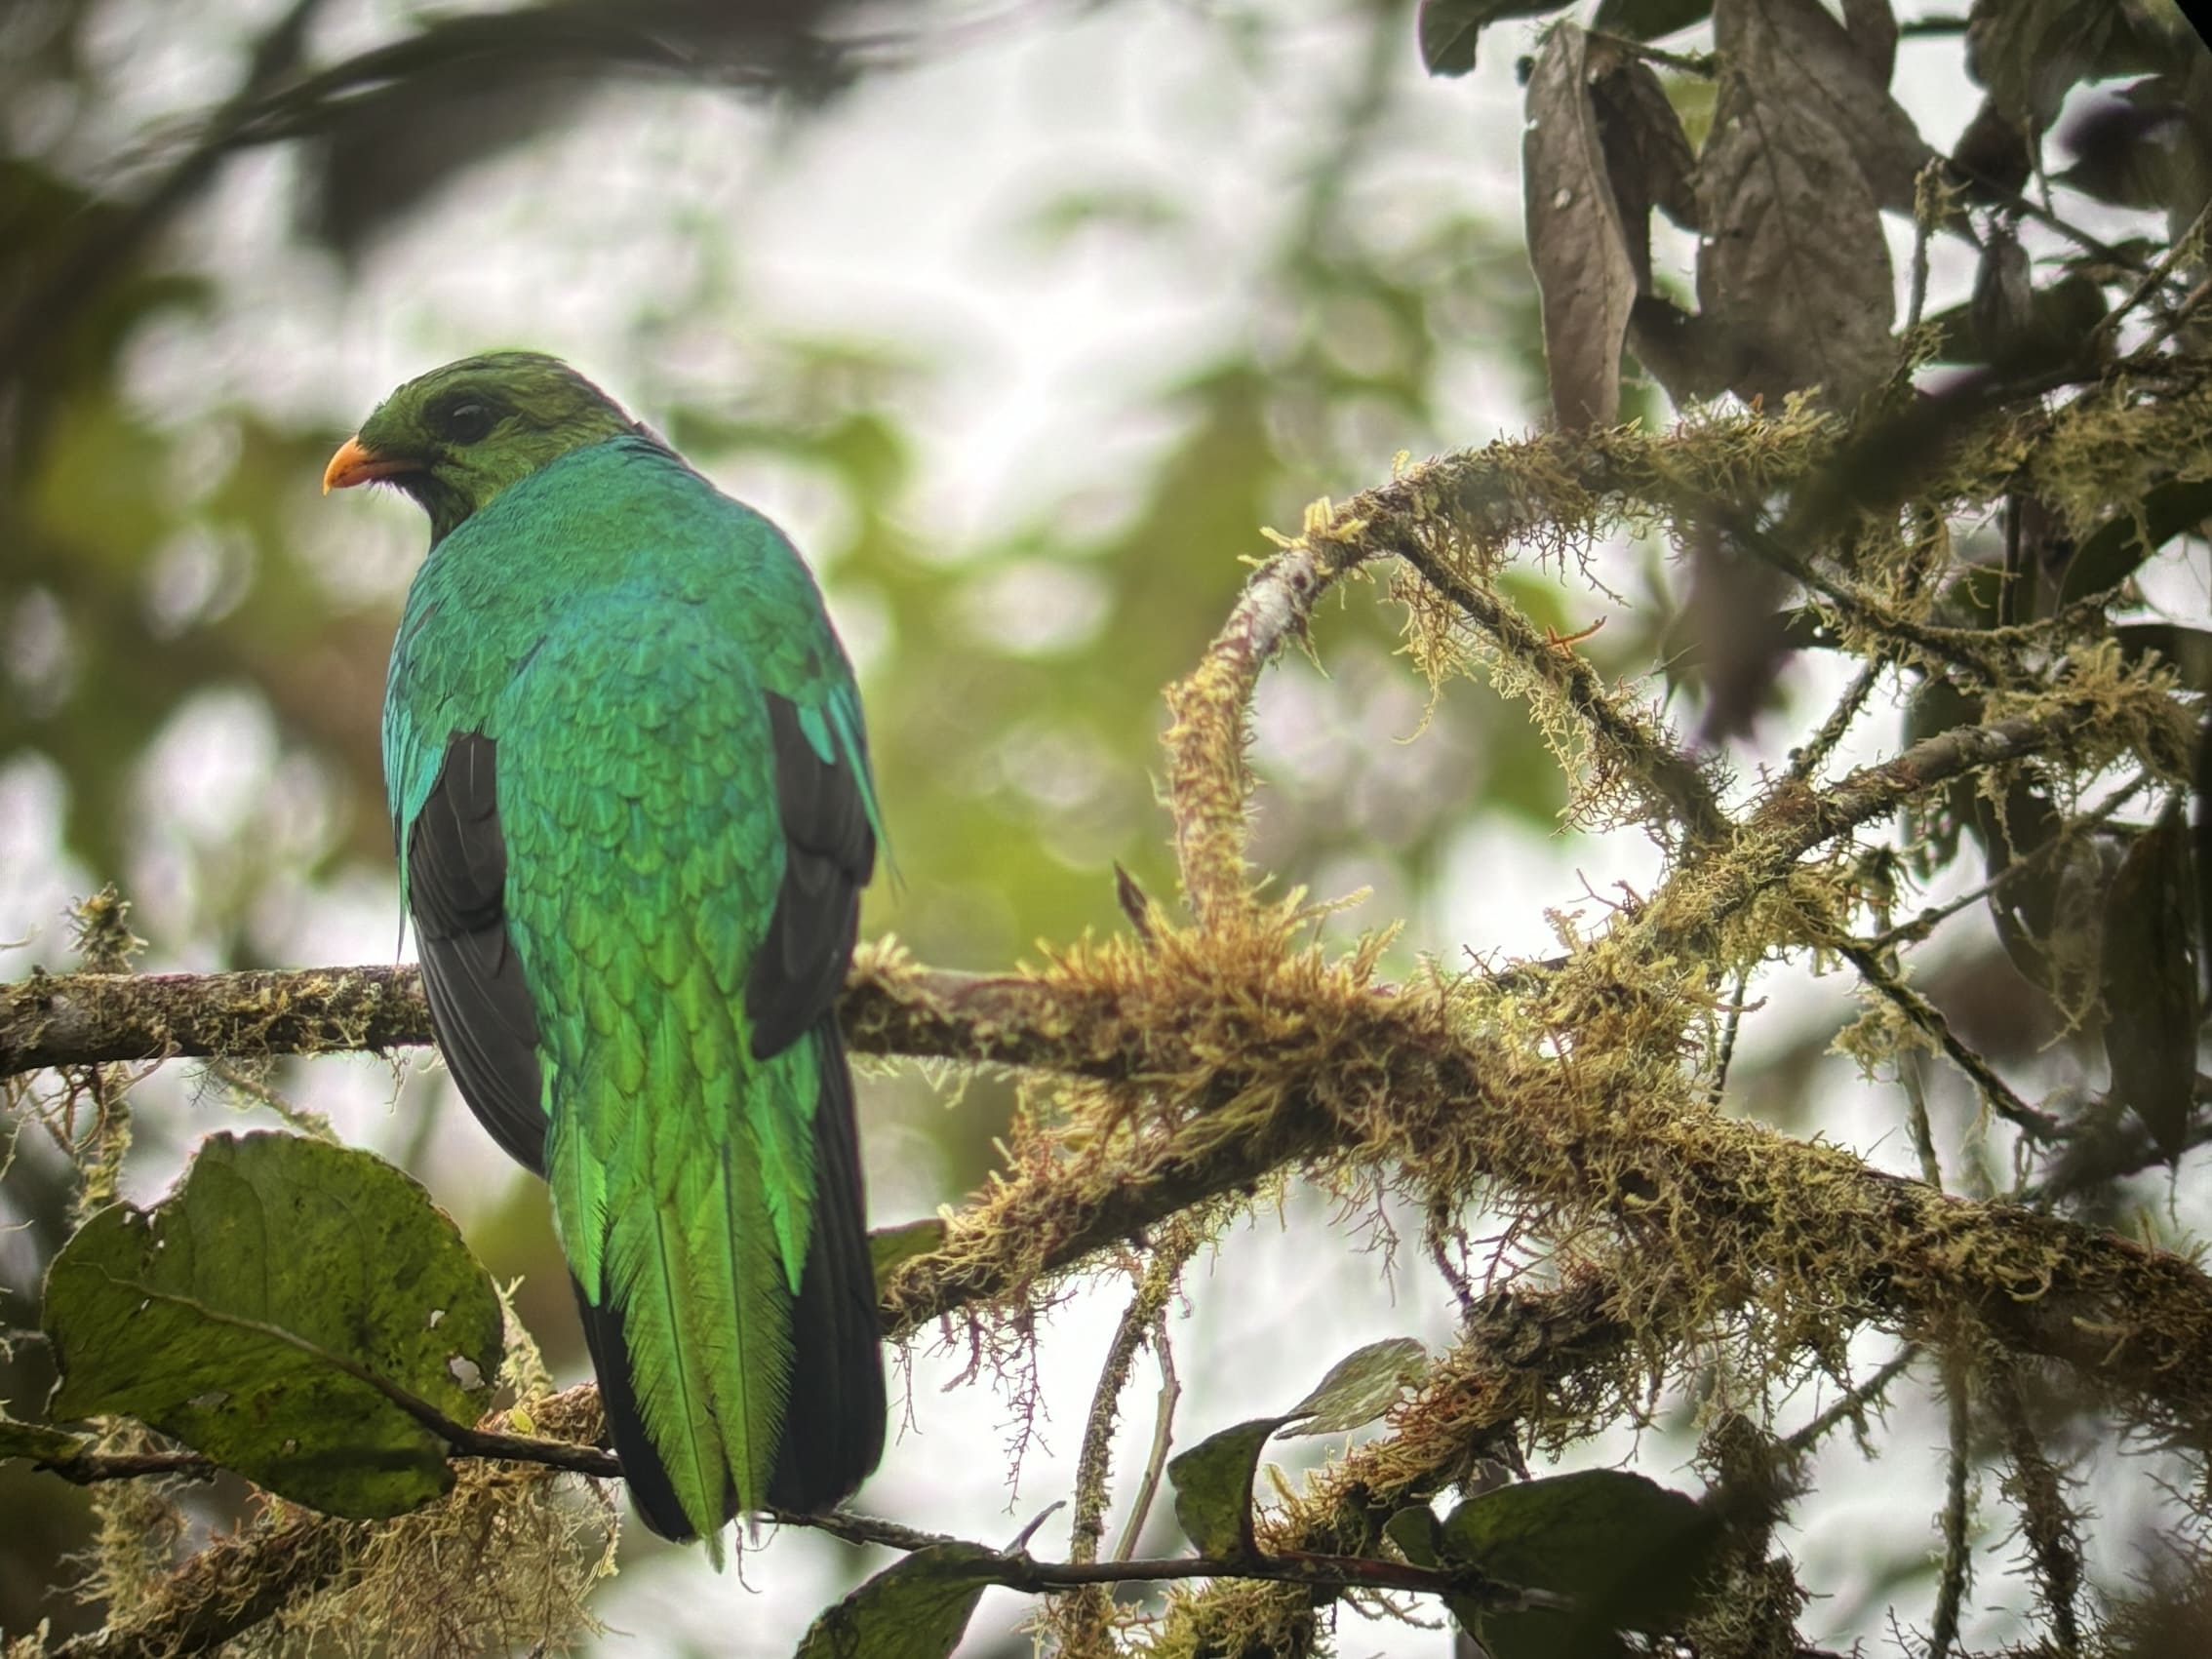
617 628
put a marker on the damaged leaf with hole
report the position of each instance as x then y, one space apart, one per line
245 1314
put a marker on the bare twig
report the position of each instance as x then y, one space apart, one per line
1809 756
1920 926
1853 1404
1086 1616
2187 246
1162 1441
1957 1512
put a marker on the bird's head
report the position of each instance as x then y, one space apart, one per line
455 437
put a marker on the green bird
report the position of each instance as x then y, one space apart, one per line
629 785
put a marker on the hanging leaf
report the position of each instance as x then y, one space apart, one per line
1447 28
1873 29
234 1315
918 1609
1360 1387
2028 53
1213 1486
2111 552
1649 160
2059 321
1806 148
1649 19
1576 239
2150 982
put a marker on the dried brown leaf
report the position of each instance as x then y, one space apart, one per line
1576 239
1802 60
2028 53
1649 160
1872 28
1794 264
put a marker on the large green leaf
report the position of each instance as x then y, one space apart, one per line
918 1609
1630 1554
890 1247
1213 1486
243 1313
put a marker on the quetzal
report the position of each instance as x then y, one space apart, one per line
629 784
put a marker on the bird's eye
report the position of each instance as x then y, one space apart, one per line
466 422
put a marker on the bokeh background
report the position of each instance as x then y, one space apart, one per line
1023 317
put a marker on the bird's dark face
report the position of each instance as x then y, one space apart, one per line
458 435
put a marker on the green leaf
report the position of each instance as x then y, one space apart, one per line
1447 28
233 1315
918 1609
39 1443
1649 19
888 1247
1414 1530
1631 1554
1213 1486
2112 551
1360 1387
2150 981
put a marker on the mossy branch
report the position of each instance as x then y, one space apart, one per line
1252 1060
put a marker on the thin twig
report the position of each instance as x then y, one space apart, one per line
1809 757
2187 246
1923 926
1729 1027
1854 1401
1916 1118
1162 1441
1957 1552
1094 1459
1998 1094
1084 1620
1675 786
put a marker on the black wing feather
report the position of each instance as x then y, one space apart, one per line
456 879
832 1432
829 853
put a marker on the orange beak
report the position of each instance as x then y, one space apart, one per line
356 463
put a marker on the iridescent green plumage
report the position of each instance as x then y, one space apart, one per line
629 779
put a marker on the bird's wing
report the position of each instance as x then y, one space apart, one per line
480 1000
829 853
